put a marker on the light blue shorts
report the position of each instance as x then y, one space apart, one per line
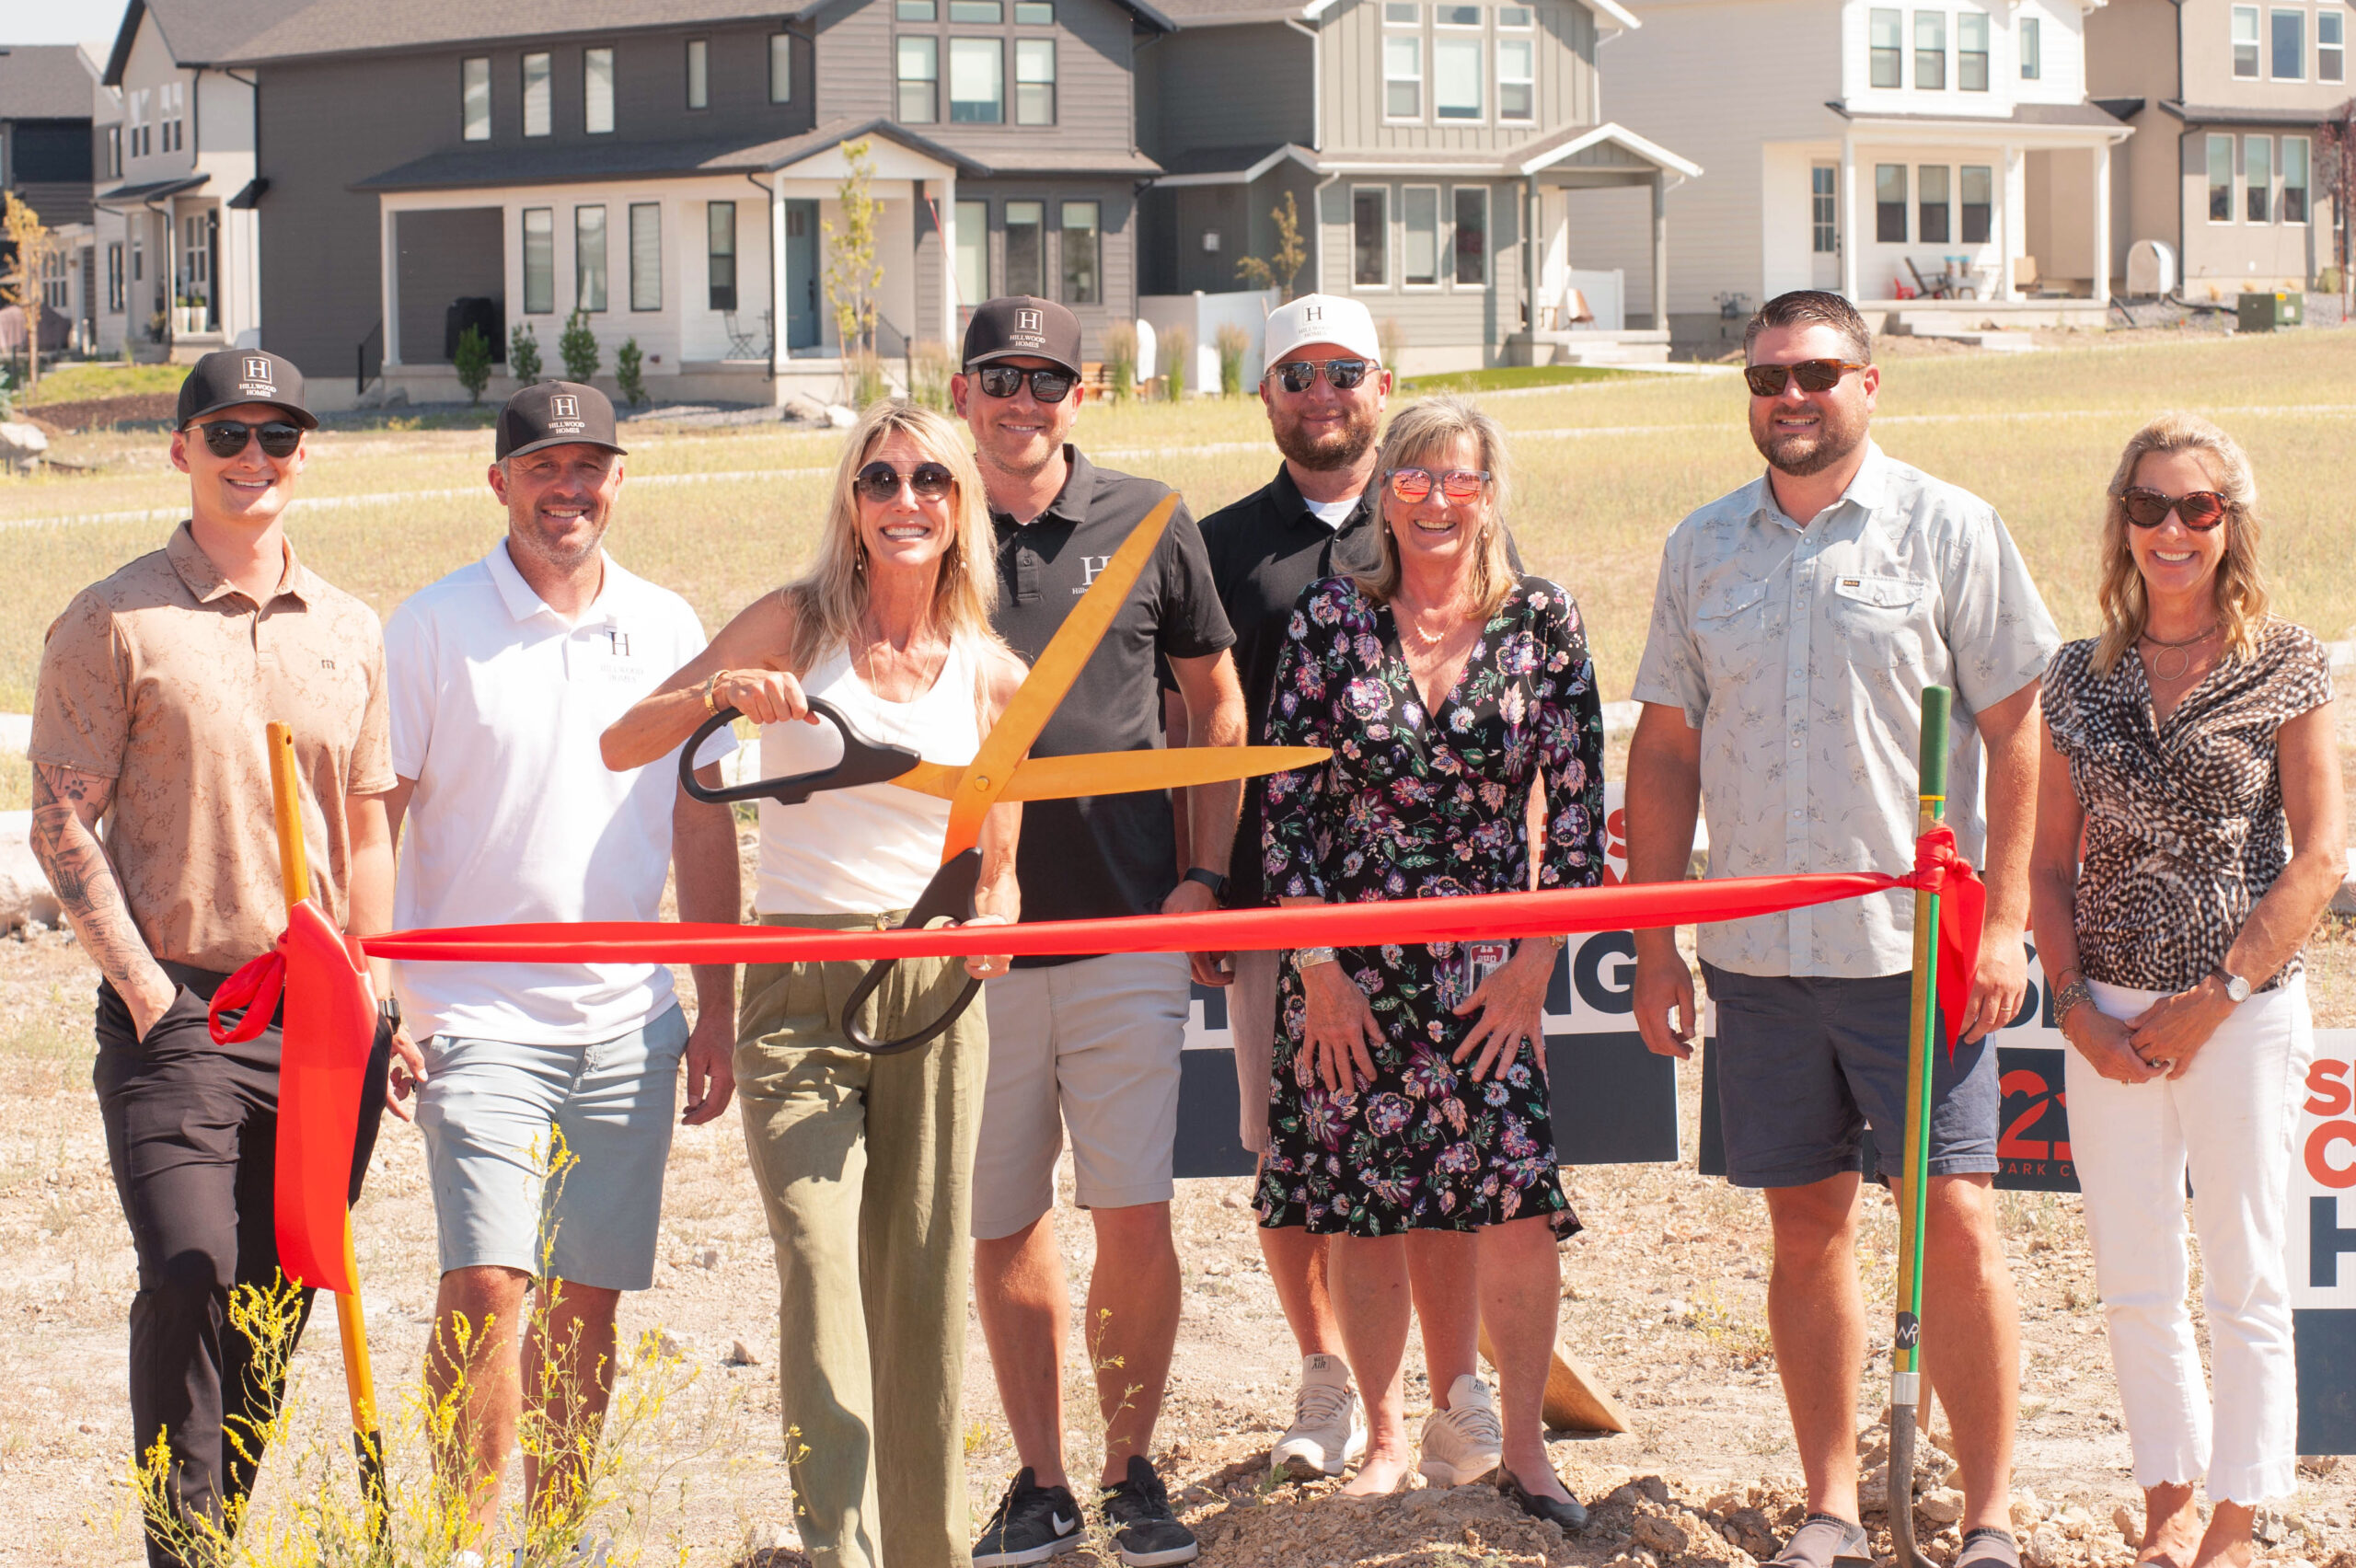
491 1112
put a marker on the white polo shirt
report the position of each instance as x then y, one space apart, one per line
497 704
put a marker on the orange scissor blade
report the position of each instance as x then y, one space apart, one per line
986 777
1116 773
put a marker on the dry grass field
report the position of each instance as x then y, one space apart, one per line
1665 1290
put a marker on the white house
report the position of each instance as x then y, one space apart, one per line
1885 151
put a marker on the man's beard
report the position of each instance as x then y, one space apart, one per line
564 555
1801 455
1338 448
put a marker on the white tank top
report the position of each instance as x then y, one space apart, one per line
863 850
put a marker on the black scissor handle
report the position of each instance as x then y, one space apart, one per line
864 762
950 893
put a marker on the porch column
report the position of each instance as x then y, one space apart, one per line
2102 222
389 283
1529 260
949 287
777 280
2015 219
2007 246
1849 240
1660 251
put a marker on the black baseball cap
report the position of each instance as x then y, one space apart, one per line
227 377
1023 327
555 413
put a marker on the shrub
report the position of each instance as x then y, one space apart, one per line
931 364
524 355
474 362
1234 342
865 371
630 371
1179 349
1392 335
577 348
1121 360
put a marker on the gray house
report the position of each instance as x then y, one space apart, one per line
47 93
1445 160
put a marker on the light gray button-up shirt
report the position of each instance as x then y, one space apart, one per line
1801 654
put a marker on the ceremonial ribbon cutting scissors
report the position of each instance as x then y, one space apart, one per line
999 770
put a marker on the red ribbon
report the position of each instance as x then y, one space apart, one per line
1941 868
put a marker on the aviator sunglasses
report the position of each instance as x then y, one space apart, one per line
1299 376
1814 375
1459 485
879 482
2198 510
1047 386
226 438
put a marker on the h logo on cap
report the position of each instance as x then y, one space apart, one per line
1313 313
257 368
1030 321
564 405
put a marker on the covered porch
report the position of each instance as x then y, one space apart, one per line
189 283
1575 316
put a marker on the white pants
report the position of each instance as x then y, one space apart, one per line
2228 1123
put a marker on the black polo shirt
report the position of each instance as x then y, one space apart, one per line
1265 550
1103 855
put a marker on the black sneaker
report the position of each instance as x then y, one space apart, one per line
1033 1524
1144 1532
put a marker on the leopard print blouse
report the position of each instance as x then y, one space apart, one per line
2184 819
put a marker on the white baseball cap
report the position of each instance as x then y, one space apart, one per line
1319 319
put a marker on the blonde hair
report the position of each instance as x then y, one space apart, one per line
830 599
2239 584
1419 431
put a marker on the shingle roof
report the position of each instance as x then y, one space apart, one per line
2022 114
2228 114
45 81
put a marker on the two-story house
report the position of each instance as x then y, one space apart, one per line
1446 161
47 93
1885 151
2225 99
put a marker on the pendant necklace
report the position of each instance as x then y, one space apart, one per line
2183 651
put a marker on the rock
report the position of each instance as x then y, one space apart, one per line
741 1353
1725 1504
841 417
21 444
2344 903
707 1256
2045 1547
804 409
672 1345
1873 1491
1942 1505
24 892
1675 1311
1653 1488
2130 1523
2028 1512
1664 1535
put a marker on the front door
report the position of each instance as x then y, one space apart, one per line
1824 223
802 331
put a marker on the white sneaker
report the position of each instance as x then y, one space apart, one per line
1328 1428
1463 1443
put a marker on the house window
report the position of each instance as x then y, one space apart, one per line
2294 179
1456 78
539 261
1473 234
989 11
2257 178
2245 40
973 252
977 81
1026 248
1930 195
589 258
781 67
115 291
1889 203
1082 254
1513 17
1370 238
1035 81
1516 84
698 73
2032 48
474 98
646 256
920 73
915 11
1456 15
535 95
114 152
1824 209
1034 13
1972 52
1886 53
1979 193
2331 47
1930 49
1403 79
2289 39
719 254
1402 14
138 260
1419 223
597 91
2221 179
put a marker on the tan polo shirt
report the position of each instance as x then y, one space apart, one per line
162 677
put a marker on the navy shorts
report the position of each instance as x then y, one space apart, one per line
1805 1064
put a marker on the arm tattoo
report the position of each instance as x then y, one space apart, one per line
66 806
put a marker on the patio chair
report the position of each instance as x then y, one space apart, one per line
1925 287
745 344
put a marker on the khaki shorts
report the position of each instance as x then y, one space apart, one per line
1251 1024
1090 1047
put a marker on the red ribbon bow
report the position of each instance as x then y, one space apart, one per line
1940 867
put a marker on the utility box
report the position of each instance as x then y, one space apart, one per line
2265 312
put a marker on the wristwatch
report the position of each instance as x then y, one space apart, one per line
1306 959
1214 881
2237 989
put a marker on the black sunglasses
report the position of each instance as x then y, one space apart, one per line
1047 386
879 482
1341 375
2198 510
1814 375
226 438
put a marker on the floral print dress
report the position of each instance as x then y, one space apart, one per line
1417 805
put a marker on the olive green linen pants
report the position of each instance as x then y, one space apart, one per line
865 1165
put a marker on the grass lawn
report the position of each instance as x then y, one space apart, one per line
1515 376
105 378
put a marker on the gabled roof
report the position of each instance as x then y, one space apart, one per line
45 81
2229 114
1241 166
1233 165
133 195
1570 144
1610 14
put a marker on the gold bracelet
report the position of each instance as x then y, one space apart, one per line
710 692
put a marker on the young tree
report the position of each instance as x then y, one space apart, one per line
852 272
524 355
630 371
473 362
36 243
577 348
1278 271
